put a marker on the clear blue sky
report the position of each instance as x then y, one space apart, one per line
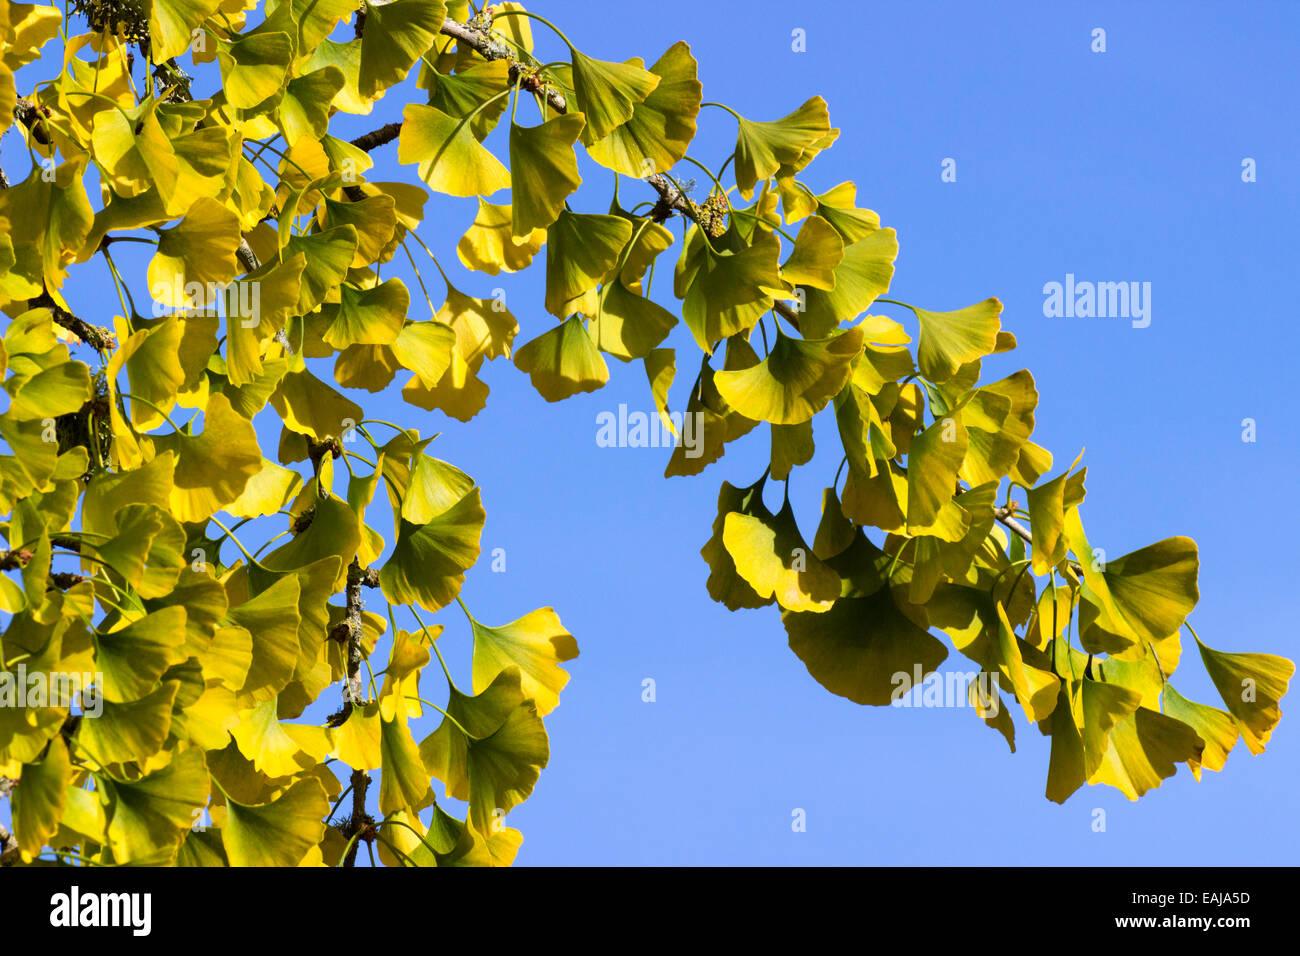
1116 166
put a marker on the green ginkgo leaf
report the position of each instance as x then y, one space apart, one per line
606 92
212 467
627 325
373 316
951 339
862 274
327 257
450 159
933 461
563 361
818 252
725 291
304 110
404 782
858 647
172 24
122 733
580 250
762 148
537 644
39 803
148 817
199 249
133 658
494 753
796 380
543 171
1048 504
272 618
59 390
254 67
278 833
662 126
1251 685
1217 729
473 92
1141 597
429 560
1143 749
396 35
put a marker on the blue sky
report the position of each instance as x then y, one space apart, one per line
1117 166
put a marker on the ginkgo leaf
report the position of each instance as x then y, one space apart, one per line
494 753
563 361
543 171
311 407
1251 685
278 833
951 339
627 325
1217 729
796 380
148 817
200 249
1143 596
662 126
537 643
39 803
1143 749
304 110
122 733
762 148
372 316
857 647
580 250
818 252
862 274
212 467
725 291
472 93
134 657
254 67
429 560
404 782
172 24
606 92
450 159
395 36
772 557
1048 504
489 245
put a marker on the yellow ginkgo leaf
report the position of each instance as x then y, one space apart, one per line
212 467
796 380
199 250
762 148
563 361
662 126
537 643
543 171
489 245
606 92
450 159
580 249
